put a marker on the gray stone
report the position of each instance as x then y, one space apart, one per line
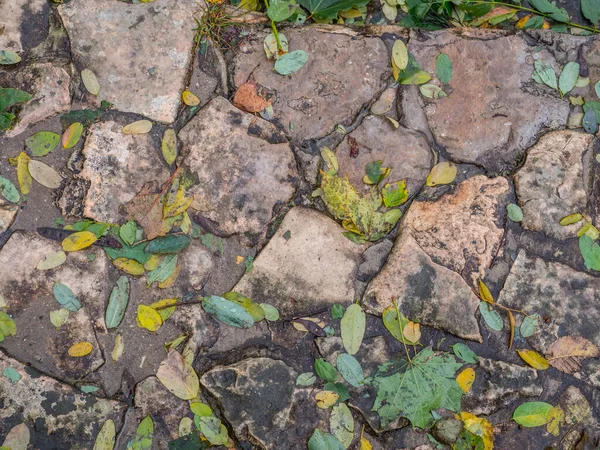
555 181
196 266
478 122
141 53
498 384
117 166
8 212
15 15
373 260
56 414
406 152
310 271
263 405
344 72
29 297
245 167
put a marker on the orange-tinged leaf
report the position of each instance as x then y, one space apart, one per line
485 294
566 353
23 175
534 359
148 318
71 136
78 241
522 21
555 418
80 349
138 127
129 266
480 427
412 331
251 97
239 259
189 98
465 379
326 399
512 322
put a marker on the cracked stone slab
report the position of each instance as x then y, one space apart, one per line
478 121
244 165
20 18
555 181
57 415
49 87
261 402
28 294
306 270
406 152
8 212
116 166
344 72
141 53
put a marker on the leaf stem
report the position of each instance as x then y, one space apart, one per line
401 329
275 33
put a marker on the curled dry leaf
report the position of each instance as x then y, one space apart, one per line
566 353
251 97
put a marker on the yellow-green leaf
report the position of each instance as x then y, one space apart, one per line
554 419
571 219
129 266
138 127
465 379
412 331
106 436
23 175
44 174
484 293
532 414
78 241
59 317
177 375
534 359
148 318
400 54
80 349
442 173
169 146
480 427
165 307
353 328
71 136
90 81
52 260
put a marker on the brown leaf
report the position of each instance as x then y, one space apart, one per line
251 97
566 353
511 320
148 212
353 147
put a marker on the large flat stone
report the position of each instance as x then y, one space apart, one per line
555 182
245 168
117 166
140 53
343 73
406 152
56 414
479 121
17 16
28 294
308 272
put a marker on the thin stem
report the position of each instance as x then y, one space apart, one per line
401 329
275 33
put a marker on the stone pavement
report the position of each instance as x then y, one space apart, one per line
257 228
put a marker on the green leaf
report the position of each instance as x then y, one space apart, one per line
414 389
253 308
400 54
443 68
468 441
271 313
325 370
143 435
353 328
189 442
117 303
324 441
128 232
291 62
350 369
213 430
532 414
544 73
491 317
556 13
591 11
12 375
280 10
213 243
515 213
59 317
168 244
568 77
9 191
465 353
42 143
227 312
88 389
534 23
10 97
106 436
163 271
337 311
201 409
6 120
8 327
328 9
395 324
341 424
340 389
529 325
306 379
395 194
8 57
430 90
135 252
65 297
590 250
590 121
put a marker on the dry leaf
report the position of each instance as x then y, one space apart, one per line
189 98
148 318
566 353
129 266
251 97
512 322
465 379
71 136
23 176
534 359
90 81
138 127
118 349
412 331
555 418
484 293
80 349
177 375
442 173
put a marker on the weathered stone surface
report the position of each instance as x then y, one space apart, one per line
14 16
405 151
478 121
245 167
117 166
28 294
579 418
311 270
140 52
343 73
262 403
568 299
196 266
8 212
56 414
498 384
49 87
555 182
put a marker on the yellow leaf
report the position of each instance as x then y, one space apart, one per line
511 321
395 70
326 399
52 260
169 146
466 378
239 259
364 443
534 359
171 279
152 263
412 331
78 241
180 203
570 219
71 136
80 349
148 318
129 266
23 175
138 127
484 293
118 349
44 174
521 23
186 223
399 55
165 313
442 173
480 427
555 418
189 98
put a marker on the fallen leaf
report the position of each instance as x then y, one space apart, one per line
90 81
7 326
291 62
325 370
309 325
400 54
341 424
480 427
227 312
59 317
270 44
129 266
44 174
442 173
385 102
23 175
52 260
534 359
17 438
138 127
12 375
8 57
484 293
80 349
251 97
118 348
168 244
568 77
201 409
326 399
306 379
189 98
214 430
148 318
42 143
511 321
350 369
177 375
430 90
554 419
169 146
324 441
8 190
515 213
65 297
465 353
395 194
117 303
164 270
165 307
529 325
185 427
570 219
532 414
443 68
394 321
491 316
170 279
566 353
78 241
465 379
72 134
353 328
412 331
106 436
271 313
143 435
